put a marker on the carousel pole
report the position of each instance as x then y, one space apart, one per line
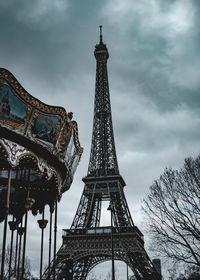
26 219
41 253
17 239
20 229
55 237
5 224
24 244
16 251
50 238
11 247
13 227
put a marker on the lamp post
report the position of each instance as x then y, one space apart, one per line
112 247
20 231
42 224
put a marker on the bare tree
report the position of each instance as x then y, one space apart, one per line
27 264
173 211
191 273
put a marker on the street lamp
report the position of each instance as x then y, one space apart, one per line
110 208
42 224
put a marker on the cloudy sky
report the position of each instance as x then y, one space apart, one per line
154 69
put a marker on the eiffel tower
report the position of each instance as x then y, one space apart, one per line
86 244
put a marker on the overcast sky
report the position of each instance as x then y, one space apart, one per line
153 68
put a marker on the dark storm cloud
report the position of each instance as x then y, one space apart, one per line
48 36
154 68
161 42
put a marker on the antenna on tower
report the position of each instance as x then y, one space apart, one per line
101 37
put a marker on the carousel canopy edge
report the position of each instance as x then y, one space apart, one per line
7 78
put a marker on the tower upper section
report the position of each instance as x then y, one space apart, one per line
103 159
101 51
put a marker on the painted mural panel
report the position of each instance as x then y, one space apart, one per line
46 128
12 109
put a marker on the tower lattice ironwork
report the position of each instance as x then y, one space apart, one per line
86 243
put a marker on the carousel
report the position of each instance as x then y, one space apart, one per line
39 154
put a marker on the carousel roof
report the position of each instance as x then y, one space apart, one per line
36 137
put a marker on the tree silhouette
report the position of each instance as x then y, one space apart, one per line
173 211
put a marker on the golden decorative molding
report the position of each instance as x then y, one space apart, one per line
6 78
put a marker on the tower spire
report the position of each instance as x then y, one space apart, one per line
101 36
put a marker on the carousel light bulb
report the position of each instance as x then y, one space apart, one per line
29 203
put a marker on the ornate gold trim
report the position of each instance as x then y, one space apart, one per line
7 78
74 125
